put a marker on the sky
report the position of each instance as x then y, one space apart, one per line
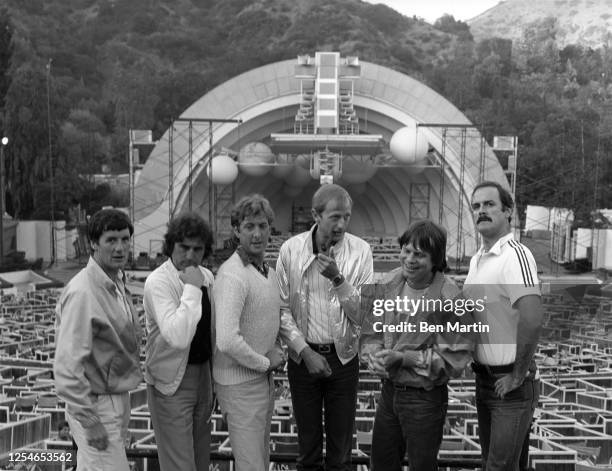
431 10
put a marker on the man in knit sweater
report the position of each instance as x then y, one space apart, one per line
247 311
320 273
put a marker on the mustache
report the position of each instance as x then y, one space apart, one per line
483 218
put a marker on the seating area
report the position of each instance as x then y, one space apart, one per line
573 428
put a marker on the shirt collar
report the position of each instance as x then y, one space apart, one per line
313 241
247 259
497 246
96 270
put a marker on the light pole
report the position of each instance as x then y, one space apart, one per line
4 142
51 181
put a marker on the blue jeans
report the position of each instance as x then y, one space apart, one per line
409 420
504 423
338 393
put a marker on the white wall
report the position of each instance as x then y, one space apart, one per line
602 249
536 218
34 238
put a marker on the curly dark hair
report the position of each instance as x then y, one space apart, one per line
188 225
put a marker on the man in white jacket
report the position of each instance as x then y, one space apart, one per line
177 301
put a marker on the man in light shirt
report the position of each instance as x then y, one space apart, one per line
504 274
319 273
97 353
177 302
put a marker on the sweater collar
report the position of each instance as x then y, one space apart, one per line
247 259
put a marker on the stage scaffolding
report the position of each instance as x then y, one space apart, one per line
505 148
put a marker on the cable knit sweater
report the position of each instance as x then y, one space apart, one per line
247 313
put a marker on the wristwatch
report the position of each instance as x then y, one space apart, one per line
338 280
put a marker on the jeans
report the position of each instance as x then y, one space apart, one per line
504 423
180 421
409 420
248 409
114 412
338 394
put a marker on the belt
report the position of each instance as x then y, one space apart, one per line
323 348
490 370
402 387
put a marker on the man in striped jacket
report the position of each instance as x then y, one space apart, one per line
503 276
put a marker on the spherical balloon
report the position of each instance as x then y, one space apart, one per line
283 166
407 145
253 158
224 170
298 177
357 171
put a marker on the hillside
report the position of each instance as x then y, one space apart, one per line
587 23
105 66
120 64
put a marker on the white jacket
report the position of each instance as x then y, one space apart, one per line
173 310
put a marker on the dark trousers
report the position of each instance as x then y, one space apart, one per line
338 395
412 420
504 423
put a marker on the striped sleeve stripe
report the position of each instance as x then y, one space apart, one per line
523 262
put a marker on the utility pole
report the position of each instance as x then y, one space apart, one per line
51 180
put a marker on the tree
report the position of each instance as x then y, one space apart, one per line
27 156
6 52
449 24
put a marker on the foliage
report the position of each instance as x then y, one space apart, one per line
448 24
6 51
121 64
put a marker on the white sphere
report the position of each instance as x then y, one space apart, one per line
407 146
251 157
357 171
224 170
283 166
298 177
